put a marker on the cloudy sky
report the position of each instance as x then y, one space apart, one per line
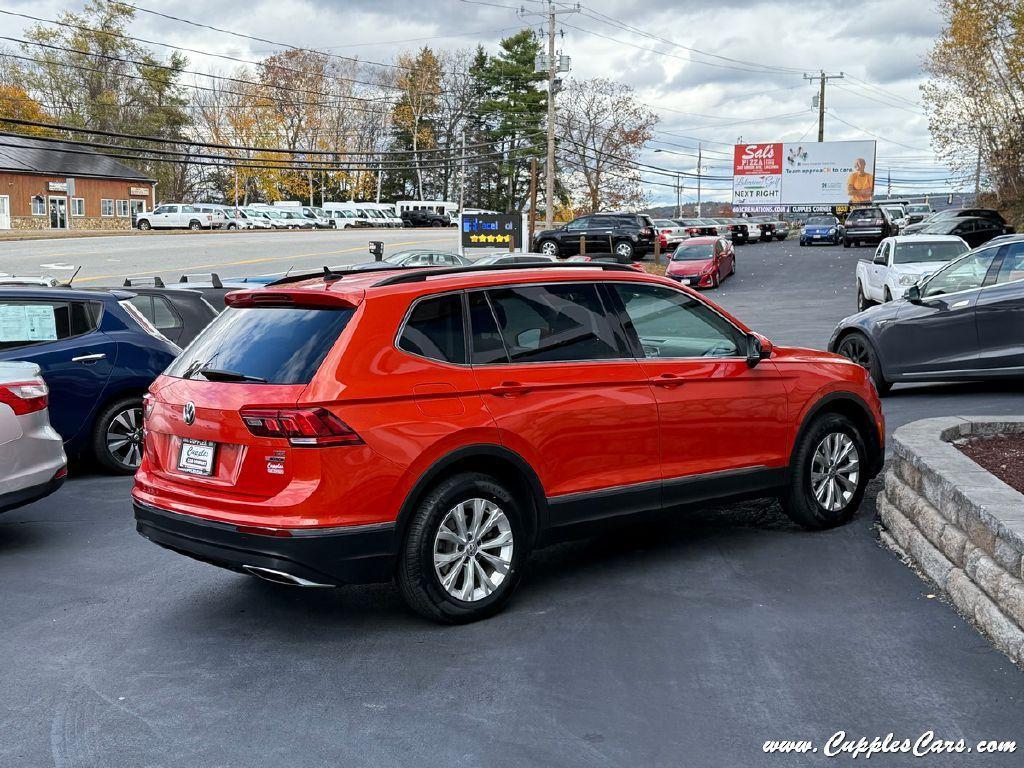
715 72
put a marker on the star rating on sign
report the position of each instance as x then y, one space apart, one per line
490 238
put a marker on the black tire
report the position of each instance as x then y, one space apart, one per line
855 346
145 225
863 302
888 295
194 225
718 279
552 246
799 501
846 242
803 243
416 576
780 238
108 459
438 224
231 226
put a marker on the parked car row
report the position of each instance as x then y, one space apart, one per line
286 215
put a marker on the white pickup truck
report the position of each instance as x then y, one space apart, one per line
900 262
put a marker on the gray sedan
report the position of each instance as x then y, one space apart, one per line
964 322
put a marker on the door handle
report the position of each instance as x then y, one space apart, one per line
668 380
89 358
509 389
959 304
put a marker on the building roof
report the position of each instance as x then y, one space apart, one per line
24 154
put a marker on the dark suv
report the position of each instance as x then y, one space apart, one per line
630 235
424 219
868 225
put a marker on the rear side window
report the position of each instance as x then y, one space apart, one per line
26 323
554 323
278 345
434 330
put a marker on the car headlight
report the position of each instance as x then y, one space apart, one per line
832 231
907 279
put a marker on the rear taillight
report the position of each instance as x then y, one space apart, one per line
302 427
24 396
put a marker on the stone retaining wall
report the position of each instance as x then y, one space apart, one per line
959 523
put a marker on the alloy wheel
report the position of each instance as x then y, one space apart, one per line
548 248
835 471
124 437
856 349
625 250
473 549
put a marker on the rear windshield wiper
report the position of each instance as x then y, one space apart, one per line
217 374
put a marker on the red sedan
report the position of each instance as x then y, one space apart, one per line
702 262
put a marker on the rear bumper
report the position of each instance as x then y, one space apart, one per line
23 496
352 555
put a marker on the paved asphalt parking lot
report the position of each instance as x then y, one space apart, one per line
688 642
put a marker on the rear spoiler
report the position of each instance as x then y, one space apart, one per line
262 297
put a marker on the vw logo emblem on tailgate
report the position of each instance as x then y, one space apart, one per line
189 412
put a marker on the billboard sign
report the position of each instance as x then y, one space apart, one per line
492 230
826 173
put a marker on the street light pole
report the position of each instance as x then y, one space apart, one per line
699 157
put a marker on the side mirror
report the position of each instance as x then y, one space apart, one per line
758 348
377 249
913 294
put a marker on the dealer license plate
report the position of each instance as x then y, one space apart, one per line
196 456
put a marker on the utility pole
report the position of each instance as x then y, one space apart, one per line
977 172
699 163
822 77
552 67
679 197
236 186
462 176
380 177
533 204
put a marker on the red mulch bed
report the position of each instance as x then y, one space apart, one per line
1002 455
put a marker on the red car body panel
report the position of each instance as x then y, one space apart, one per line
581 427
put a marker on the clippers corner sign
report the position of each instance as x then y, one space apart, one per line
827 173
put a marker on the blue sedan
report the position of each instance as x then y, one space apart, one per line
98 355
821 229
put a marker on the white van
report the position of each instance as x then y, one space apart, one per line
387 212
346 215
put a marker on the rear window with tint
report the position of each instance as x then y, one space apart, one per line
283 345
866 213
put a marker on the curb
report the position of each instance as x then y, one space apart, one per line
961 525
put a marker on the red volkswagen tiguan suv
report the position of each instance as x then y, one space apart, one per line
434 426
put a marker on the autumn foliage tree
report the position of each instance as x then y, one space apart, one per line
975 95
602 130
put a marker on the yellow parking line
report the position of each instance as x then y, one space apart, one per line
239 262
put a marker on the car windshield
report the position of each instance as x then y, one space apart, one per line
940 227
693 252
319 212
910 253
399 256
821 221
919 209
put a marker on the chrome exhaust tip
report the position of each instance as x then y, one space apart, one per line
281 577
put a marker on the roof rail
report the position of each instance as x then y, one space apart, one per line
419 274
156 281
329 274
214 278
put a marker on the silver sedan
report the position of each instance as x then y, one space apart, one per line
32 460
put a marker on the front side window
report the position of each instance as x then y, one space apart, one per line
963 275
106 207
434 330
554 323
671 324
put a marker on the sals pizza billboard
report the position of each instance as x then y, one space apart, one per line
826 173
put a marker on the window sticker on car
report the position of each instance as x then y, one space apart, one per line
27 322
